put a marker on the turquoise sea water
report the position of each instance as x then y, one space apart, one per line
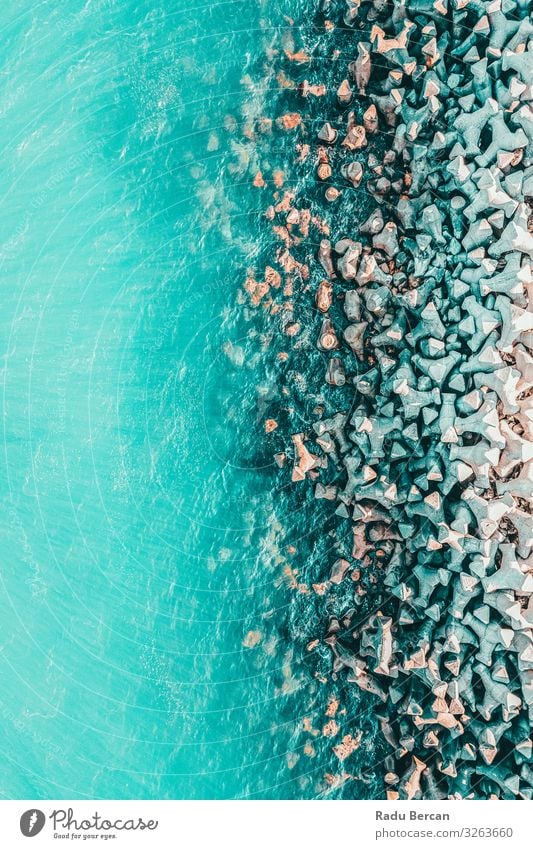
140 509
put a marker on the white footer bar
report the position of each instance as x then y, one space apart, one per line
266 825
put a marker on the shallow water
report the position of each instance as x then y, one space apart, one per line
141 510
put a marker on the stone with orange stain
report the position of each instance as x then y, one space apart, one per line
335 781
289 121
348 746
331 728
284 81
332 707
304 460
288 262
293 329
317 90
290 577
412 784
252 639
320 589
285 203
320 225
307 725
272 277
283 235
270 425
250 285
303 151
262 289
293 217
279 178
312 645
305 221
300 56
324 296
259 182
328 340
332 194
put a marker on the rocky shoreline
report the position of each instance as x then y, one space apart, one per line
425 326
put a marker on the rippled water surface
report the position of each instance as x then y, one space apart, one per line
140 515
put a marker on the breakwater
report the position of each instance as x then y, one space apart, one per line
401 287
